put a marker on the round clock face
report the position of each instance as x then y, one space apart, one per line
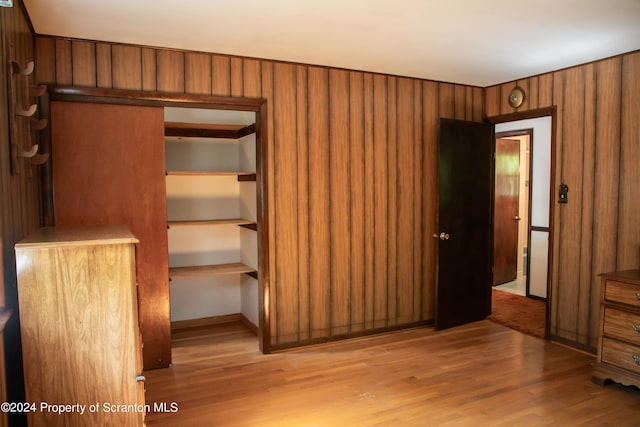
516 97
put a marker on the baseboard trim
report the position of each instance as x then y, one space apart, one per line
574 345
179 325
249 324
205 321
359 334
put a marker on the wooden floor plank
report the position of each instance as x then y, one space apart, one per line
477 374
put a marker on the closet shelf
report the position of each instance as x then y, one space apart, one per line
230 221
242 176
206 130
210 270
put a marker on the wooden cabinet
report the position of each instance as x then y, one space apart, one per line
619 340
79 325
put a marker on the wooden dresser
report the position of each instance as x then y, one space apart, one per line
619 332
79 325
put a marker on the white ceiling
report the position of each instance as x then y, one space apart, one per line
461 41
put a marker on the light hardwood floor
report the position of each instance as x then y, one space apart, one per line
482 374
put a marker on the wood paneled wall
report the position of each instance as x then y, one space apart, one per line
351 175
19 194
597 154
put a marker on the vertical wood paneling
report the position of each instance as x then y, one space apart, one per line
571 214
45 60
64 69
84 63
197 73
587 282
505 88
285 173
417 235
533 94
357 195
221 75
629 191
406 198
492 101
380 228
446 106
392 200
556 82
468 103
545 90
369 203
170 71
431 113
478 104
303 193
103 65
237 76
340 202
126 67
459 103
607 168
149 77
319 239
251 81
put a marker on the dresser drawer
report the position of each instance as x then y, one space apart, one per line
625 356
624 293
622 325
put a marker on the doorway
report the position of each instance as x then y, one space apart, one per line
525 228
511 212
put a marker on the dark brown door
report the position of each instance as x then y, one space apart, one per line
507 199
109 168
465 174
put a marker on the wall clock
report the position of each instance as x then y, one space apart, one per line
516 97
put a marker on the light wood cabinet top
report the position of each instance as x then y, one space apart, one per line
48 237
629 276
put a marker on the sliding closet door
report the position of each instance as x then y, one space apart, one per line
108 168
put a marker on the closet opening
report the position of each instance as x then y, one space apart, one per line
212 220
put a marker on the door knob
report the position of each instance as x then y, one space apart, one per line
517 218
444 236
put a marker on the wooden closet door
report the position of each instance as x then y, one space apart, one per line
109 168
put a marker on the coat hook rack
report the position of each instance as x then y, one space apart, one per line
20 132
26 71
29 154
26 112
37 124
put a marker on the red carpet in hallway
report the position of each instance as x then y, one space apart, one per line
518 312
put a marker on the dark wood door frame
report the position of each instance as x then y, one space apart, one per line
533 114
132 97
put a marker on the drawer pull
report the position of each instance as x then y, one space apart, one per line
636 328
142 378
636 358
638 296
